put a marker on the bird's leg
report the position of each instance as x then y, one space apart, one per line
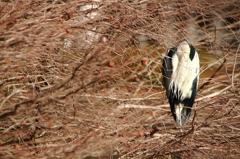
181 132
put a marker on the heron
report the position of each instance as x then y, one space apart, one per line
180 70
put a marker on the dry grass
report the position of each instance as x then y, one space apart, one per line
81 79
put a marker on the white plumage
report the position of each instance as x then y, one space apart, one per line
180 79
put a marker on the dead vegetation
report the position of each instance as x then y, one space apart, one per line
81 79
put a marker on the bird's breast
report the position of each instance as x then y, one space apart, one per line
183 75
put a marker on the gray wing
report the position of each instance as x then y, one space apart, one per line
167 69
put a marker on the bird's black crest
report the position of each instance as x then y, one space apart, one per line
172 51
192 52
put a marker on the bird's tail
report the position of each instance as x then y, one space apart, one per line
182 114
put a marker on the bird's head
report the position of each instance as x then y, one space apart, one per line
183 49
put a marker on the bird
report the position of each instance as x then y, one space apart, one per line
180 72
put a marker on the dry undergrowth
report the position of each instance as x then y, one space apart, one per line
81 79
